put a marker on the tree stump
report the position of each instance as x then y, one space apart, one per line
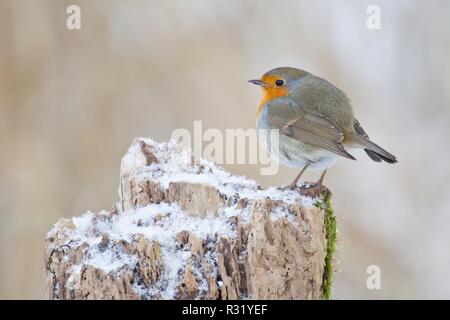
187 229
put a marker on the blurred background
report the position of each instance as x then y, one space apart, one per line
71 101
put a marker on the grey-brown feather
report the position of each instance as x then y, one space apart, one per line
315 130
374 151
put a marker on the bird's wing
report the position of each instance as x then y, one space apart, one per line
313 129
359 130
377 154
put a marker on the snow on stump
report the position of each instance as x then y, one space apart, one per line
187 229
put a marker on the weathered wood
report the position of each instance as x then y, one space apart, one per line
186 230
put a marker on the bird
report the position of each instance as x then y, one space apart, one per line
314 122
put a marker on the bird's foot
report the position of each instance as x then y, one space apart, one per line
288 187
314 190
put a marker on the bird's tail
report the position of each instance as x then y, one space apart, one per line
374 151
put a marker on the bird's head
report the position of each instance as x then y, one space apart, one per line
278 82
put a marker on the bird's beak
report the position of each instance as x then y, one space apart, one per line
257 82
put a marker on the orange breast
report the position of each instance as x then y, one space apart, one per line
271 91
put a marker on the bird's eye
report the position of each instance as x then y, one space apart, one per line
279 82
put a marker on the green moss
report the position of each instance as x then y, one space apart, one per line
330 234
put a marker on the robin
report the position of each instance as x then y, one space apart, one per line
315 122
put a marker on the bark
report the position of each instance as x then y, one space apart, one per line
185 229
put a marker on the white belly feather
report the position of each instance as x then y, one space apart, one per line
295 154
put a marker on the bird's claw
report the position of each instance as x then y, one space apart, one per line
289 187
314 189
